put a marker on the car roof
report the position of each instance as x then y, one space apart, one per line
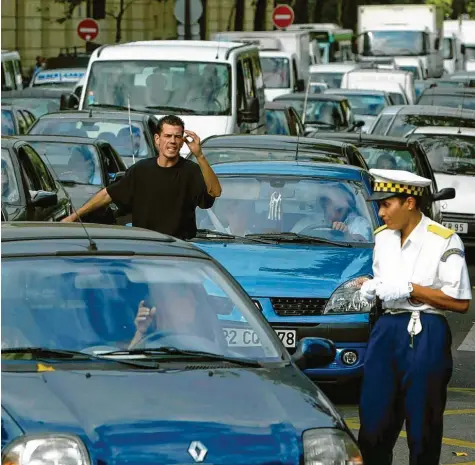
444 130
431 110
96 114
356 138
40 238
58 139
301 96
355 91
276 105
332 68
270 141
295 168
9 141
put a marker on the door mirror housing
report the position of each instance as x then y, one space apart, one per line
314 352
444 194
69 101
300 85
44 199
251 113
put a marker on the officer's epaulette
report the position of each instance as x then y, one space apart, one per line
381 228
440 230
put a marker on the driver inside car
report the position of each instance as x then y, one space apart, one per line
339 213
176 316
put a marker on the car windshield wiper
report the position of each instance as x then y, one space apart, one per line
210 233
41 353
110 105
71 182
194 354
294 237
172 108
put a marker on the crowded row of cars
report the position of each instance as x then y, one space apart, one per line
267 288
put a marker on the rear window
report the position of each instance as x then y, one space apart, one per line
403 124
8 126
452 101
382 125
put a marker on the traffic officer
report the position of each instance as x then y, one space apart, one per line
420 273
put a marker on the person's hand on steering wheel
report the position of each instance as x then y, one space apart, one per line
339 226
142 321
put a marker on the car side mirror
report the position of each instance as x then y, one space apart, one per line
68 101
300 85
251 113
44 199
314 352
444 194
462 49
113 177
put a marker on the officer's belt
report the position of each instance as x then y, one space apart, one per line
397 311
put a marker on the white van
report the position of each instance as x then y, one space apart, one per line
12 78
216 87
331 73
394 89
404 78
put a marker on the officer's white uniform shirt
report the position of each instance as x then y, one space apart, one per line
427 259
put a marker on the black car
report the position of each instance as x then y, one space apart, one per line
16 120
282 119
330 112
84 167
131 142
459 97
245 147
37 100
400 154
30 191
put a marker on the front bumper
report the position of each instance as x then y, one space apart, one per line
349 332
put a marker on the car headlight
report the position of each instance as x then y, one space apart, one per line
346 298
330 447
46 449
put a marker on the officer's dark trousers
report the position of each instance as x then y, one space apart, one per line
403 383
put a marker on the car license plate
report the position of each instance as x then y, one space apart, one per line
459 228
239 337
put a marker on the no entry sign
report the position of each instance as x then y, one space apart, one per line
283 16
88 29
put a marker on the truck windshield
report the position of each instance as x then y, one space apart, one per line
470 52
276 72
195 87
392 43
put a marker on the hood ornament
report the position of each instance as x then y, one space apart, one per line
197 451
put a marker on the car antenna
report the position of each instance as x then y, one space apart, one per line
303 119
92 245
217 51
130 129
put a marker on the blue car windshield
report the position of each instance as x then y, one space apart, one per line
8 126
276 204
91 305
370 105
117 133
78 163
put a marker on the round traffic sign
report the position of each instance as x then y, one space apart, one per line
282 16
88 29
196 10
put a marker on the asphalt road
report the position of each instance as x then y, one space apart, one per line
459 425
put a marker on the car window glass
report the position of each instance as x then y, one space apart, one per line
382 125
276 122
276 72
391 159
75 163
465 102
33 183
46 181
10 190
22 124
109 160
8 81
8 124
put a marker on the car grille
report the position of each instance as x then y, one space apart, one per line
289 306
458 217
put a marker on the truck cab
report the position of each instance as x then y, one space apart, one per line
215 87
12 78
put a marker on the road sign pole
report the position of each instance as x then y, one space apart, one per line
187 20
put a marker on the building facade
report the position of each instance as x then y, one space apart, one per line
32 28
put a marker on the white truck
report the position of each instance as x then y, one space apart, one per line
453 48
463 31
401 31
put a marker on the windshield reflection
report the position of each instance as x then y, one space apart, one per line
10 192
387 159
200 88
391 43
71 162
95 305
334 210
276 72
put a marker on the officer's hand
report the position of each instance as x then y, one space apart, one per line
393 290
144 318
339 226
368 289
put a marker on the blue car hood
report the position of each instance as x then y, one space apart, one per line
151 417
288 270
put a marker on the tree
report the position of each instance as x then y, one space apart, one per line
117 13
260 15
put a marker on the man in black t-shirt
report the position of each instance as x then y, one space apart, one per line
162 193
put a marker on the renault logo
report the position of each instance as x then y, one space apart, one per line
197 451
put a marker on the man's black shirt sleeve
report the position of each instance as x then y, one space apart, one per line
121 192
202 198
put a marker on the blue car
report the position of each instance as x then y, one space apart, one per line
298 236
114 351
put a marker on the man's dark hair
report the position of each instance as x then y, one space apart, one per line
172 120
420 200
